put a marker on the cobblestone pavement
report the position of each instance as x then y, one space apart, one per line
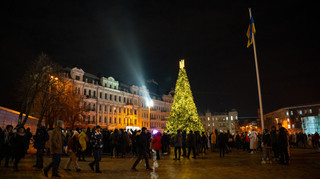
305 163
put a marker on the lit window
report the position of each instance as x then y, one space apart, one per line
213 118
288 126
212 124
300 112
208 118
208 124
291 113
287 113
288 119
231 118
310 111
292 126
226 118
236 117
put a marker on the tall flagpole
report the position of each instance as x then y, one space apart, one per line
257 73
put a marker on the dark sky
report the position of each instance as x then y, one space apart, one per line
134 41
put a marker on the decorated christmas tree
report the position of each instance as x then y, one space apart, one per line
183 114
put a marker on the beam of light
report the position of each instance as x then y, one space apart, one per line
128 48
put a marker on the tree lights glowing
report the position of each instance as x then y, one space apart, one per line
183 114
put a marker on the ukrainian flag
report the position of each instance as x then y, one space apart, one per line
250 32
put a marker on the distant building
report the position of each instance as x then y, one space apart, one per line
223 122
111 104
304 118
10 117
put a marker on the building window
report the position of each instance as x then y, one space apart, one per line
231 118
89 92
110 120
115 120
208 118
300 112
93 119
292 126
208 124
212 124
85 92
119 120
291 113
105 119
288 119
119 98
100 95
105 108
288 126
310 111
110 97
94 93
99 118
226 118
77 77
89 118
287 113
105 96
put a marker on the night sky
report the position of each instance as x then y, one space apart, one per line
134 41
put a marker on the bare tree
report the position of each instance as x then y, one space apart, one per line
35 80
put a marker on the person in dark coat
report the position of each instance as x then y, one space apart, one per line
274 142
204 143
222 143
142 142
19 143
5 144
97 145
283 145
40 140
115 143
184 144
177 144
191 143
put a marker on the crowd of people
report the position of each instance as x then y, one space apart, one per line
79 143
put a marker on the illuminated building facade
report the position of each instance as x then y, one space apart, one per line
304 118
112 105
222 122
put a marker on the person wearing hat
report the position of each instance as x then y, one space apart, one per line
143 148
97 145
73 147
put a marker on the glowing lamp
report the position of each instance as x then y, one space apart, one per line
154 132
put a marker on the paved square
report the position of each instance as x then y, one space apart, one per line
305 163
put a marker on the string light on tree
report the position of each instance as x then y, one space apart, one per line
183 114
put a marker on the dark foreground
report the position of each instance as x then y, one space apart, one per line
305 163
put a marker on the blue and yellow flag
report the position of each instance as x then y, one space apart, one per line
250 32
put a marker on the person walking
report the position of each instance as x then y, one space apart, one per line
213 141
191 143
177 144
97 145
56 150
19 143
83 139
156 141
142 143
73 146
40 139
